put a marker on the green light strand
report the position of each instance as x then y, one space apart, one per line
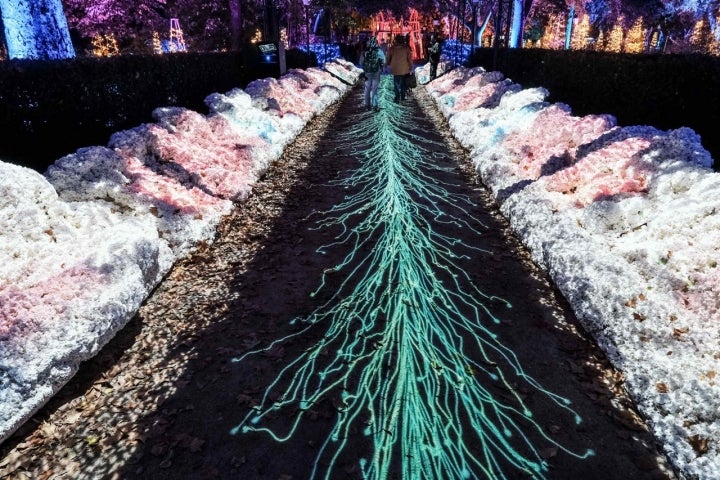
394 355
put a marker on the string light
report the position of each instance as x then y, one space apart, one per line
177 42
105 45
157 44
257 38
615 37
635 38
407 351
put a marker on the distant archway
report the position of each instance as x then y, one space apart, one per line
386 28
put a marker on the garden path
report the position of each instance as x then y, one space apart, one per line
161 399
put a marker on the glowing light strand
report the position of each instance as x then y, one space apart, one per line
404 360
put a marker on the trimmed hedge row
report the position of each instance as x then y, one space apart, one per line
51 108
664 91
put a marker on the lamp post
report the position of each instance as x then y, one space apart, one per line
475 4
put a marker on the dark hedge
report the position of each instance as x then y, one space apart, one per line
660 90
51 108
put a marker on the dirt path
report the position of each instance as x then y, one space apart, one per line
160 400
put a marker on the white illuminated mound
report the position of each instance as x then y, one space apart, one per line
82 246
626 220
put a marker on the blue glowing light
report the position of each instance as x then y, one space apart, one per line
458 51
323 51
407 352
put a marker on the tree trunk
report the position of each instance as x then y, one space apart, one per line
235 24
36 29
569 27
518 24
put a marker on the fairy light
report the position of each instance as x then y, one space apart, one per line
105 45
654 41
553 36
177 41
157 44
581 33
635 39
284 38
615 37
407 351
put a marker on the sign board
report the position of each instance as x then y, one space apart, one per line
267 48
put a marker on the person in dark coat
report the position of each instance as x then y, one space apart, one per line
434 55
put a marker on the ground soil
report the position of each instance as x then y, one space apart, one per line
159 400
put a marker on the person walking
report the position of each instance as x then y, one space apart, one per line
372 62
434 55
399 59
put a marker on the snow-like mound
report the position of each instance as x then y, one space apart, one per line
83 245
625 220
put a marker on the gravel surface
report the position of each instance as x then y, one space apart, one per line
159 401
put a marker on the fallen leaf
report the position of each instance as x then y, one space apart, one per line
662 387
630 420
48 429
699 444
677 332
45 475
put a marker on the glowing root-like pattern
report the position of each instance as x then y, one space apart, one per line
407 356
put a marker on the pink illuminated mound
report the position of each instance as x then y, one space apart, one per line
307 80
32 310
165 191
482 79
323 79
552 140
202 152
103 173
615 170
220 160
343 69
269 94
300 85
487 96
699 294
299 99
448 82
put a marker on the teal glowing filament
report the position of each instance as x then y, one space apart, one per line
407 353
